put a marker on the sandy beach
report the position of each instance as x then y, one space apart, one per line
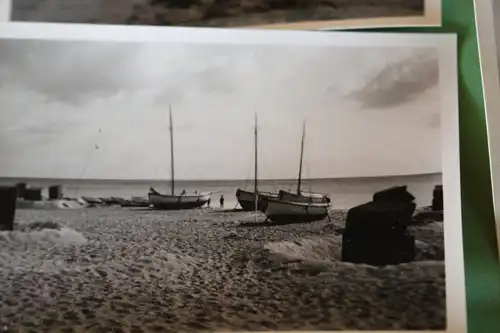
113 269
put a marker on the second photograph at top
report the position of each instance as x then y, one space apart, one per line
274 14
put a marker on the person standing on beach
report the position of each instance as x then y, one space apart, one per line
208 203
221 200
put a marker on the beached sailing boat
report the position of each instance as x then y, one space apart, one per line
256 200
172 201
303 206
303 196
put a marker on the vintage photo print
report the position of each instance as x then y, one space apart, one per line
274 14
185 180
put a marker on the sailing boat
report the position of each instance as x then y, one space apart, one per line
256 200
303 206
172 201
303 196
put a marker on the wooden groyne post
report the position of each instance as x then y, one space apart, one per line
21 188
437 198
55 192
8 198
33 194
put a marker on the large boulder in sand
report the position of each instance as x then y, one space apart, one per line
375 232
379 252
8 198
394 194
21 188
33 194
378 219
437 198
55 192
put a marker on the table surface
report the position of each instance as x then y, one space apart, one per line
482 267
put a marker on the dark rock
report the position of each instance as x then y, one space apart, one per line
55 192
8 198
21 188
379 252
33 194
437 198
394 194
378 219
375 232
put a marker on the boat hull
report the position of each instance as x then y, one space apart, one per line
177 202
304 198
247 200
285 211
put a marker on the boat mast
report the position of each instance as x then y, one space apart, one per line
255 158
172 178
301 157
256 166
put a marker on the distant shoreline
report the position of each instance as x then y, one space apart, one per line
132 180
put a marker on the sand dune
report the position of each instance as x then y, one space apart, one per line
153 271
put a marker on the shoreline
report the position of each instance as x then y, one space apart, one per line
13 180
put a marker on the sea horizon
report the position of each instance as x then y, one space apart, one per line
344 192
191 180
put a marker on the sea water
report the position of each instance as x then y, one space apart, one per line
344 192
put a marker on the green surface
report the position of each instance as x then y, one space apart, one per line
482 268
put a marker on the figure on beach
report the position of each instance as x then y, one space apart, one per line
208 203
221 200
183 192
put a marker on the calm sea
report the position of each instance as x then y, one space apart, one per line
345 192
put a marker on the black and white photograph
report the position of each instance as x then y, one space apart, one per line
251 181
280 14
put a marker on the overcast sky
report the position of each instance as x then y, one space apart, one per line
100 110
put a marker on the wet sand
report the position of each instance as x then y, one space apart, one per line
136 270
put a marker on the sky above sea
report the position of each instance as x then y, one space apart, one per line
73 109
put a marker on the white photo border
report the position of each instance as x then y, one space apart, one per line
488 44
445 44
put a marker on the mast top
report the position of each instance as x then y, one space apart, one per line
301 156
256 160
172 170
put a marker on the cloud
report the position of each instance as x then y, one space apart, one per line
98 71
55 95
400 82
